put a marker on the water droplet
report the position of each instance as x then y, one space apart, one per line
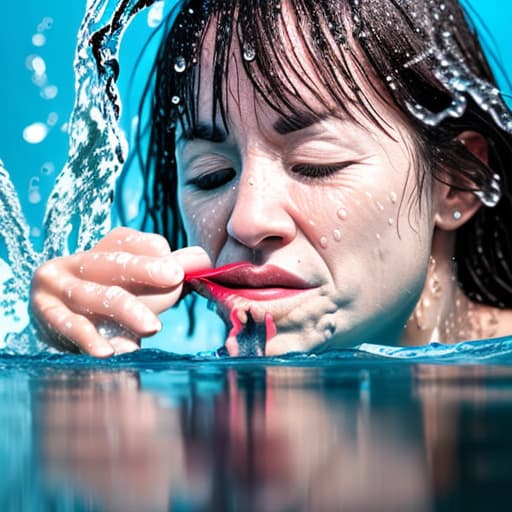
49 92
249 53
323 242
35 133
175 100
47 168
53 117
392 197
34 196
490 198
155 14
180 65
342 213
46 24
390 221
38 40
336 234
38 66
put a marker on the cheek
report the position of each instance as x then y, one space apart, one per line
335 216
205 220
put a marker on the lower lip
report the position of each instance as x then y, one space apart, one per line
220 292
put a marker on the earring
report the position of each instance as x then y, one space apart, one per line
457 215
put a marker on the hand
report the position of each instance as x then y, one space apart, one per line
123 282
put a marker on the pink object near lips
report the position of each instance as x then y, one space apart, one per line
257 283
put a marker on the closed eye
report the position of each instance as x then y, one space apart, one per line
318 171
212 180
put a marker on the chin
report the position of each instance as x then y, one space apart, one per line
286 343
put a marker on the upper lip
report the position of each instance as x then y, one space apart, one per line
246 275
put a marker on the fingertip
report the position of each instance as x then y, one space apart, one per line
123 345
100 350
193 258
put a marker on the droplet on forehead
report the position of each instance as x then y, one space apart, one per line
180 65
342 213
336 234
249 53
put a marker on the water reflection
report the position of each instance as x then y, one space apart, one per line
255 437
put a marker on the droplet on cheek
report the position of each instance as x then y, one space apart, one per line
336 234
390 221
323 242
393 197
379 205
342 214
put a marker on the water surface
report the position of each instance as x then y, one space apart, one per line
347 431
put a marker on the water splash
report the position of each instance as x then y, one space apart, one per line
455 75
83 192
465 352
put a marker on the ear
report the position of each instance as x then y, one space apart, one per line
456 207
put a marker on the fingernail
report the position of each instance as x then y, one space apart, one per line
150 322
123 346
165 270
103 351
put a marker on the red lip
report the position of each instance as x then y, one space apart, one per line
253 282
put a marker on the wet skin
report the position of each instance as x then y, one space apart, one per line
321 202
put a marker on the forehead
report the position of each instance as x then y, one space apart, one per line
289 64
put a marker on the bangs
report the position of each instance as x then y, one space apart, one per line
299 56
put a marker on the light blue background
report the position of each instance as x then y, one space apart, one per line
21 103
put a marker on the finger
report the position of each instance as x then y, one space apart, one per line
141 274
113 302
162 301
192 259
125 239
123 345
137 273
62 324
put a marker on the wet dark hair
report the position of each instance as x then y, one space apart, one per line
429 65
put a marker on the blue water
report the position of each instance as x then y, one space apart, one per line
157 431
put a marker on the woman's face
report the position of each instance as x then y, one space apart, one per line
321 207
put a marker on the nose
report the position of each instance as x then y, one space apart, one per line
262 213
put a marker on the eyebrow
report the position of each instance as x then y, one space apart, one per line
298 121
283 126
204 131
